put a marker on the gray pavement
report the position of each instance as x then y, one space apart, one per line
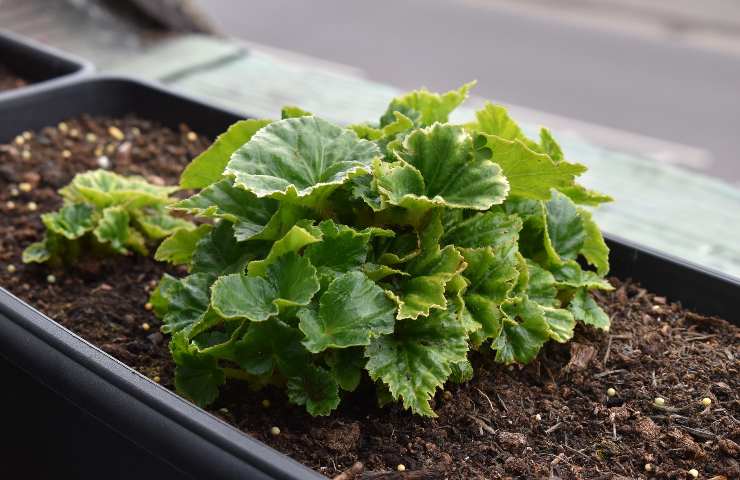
647 71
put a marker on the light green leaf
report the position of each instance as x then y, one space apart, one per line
316 389
160 297
270 346
178 249
550 146
287 282
197 377
293 112
594 247
157 224
495 120
565 229
113 229
586 310
418 358
530 174
366 131
481 229
71 221
439 168
102 188
300 158
38 252
208 167
560 322
249 214
425 107
297 237
541 287
461 372
583 196
428 273
523 333
352 311
571 275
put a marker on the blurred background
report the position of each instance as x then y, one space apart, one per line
645 92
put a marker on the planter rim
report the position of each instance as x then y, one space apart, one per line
43 55
97 382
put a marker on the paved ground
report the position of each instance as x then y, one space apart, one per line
669 70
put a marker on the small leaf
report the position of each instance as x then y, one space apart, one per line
71 221
481 229
113 229
178 249
439 168
293 112
300 158
586 310
541 287
530 174
316 389
583 196
425 107
565 229
520 341
495 120
560 322
418 357
249 214
187 302
290 281
461 372
347 365
271 346
197 377
570 274
157 224
341 248
352 311
550 146
102 188
38 252
594 247
297 237
218 252
208 167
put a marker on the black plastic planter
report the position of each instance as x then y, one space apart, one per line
41 66
69 409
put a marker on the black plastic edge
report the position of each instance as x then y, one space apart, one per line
45 67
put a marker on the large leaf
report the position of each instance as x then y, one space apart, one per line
523 333
287 282
418 358
347 365
423 288
439 168
425 107
249 214
300 158
208 167
530 174
71 221
352 311
586 310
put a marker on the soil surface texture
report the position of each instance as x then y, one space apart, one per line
9 80
550 419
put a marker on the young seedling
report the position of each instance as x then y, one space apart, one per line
377 253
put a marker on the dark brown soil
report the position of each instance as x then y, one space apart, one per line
9 80
550 419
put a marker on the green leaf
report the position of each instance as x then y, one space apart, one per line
218 252
297 237
71 221
113 229
571 275
428 273
583 196
418 358
394 250
187 302
157 224
352 311
523 333
541 287
288 282
197 377
38 252
550 146
491 276
316 389
208 167
439 168
495 120
530 174
293 112
249 214
481 229
585 309
560 322
271 346
594 247
425 107
178 249
346 366
461 372
102 188
565 229
160 297
342 248
302 158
